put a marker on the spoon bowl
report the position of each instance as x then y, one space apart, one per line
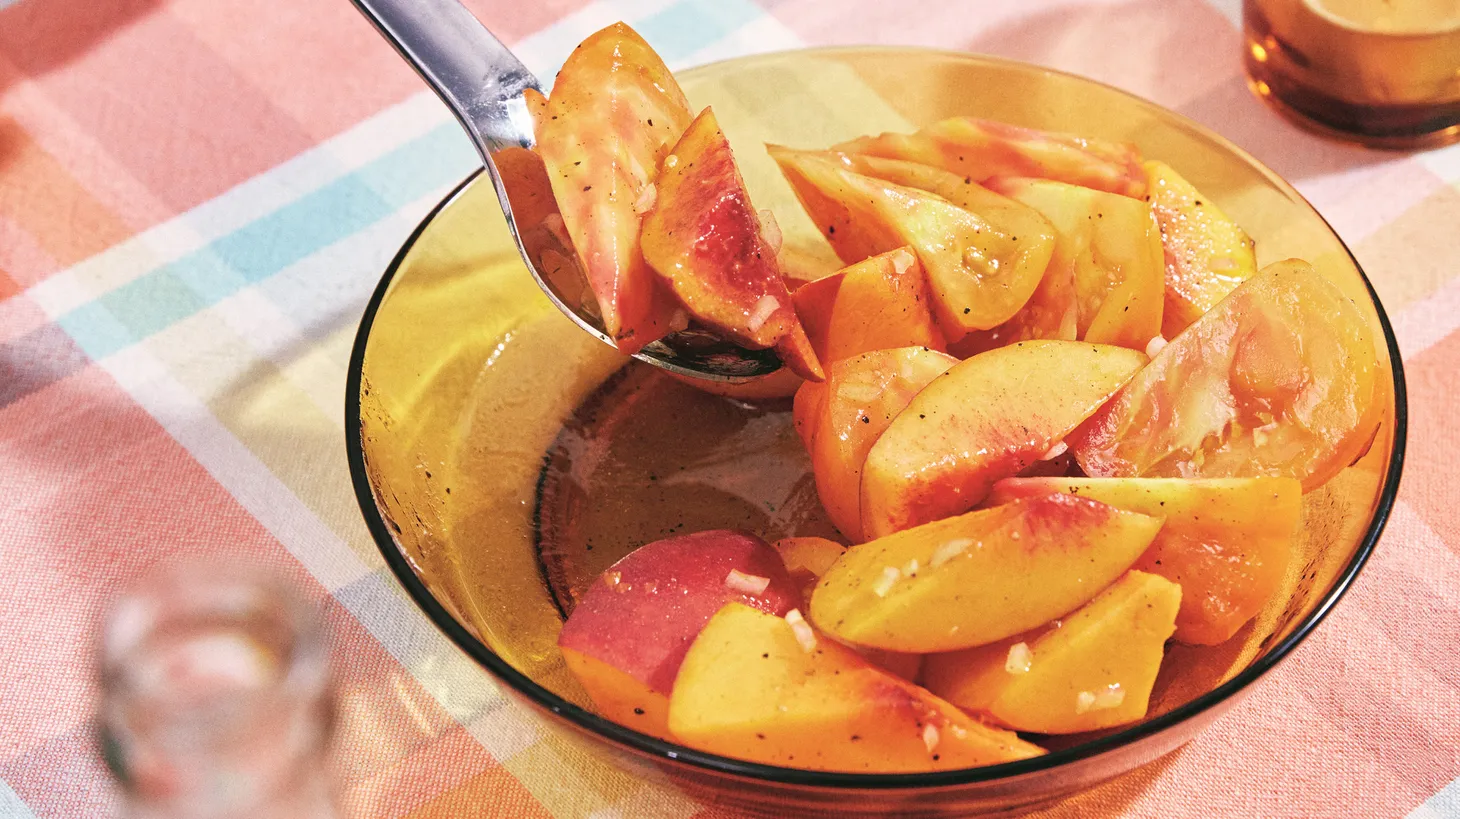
483 83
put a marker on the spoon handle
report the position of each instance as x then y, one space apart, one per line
478 78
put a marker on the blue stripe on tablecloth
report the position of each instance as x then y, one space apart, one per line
261 249
266 246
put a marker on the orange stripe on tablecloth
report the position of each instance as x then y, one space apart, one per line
335 73
8 288
161 103
1198 45
1431 482
513 21
484 788
1410 257
96 493
41 197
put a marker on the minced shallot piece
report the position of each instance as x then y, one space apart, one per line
802 629
911 569
762 311
647 198
1154 346
770 229
1111 696
1055 451
748 583
890 575
901 261
1019 658
671 161
931 737
1084 701
949 550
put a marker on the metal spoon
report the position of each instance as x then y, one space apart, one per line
482 82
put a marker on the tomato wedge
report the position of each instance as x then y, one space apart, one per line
1279 379
613 114
979 274
982 149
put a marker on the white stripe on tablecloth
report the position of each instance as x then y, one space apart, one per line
1443 805
10 805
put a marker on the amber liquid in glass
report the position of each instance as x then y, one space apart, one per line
1385 73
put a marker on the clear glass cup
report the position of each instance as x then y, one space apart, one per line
1385 73
216 697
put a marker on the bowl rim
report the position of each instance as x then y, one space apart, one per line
716 764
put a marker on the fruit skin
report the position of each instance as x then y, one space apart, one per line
984 149
1280 379
1116 639
1109 249
613 114
1207 255
842 419
979 577
703 238
628 634
986 419
979 274
876 304
749 690
1227 541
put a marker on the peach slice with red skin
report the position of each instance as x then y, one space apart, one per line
1207 254
875 304
750 689
843 418
1227 541
807 559
976 578
978 273
983 149
630 630
703 238
613 114
986 419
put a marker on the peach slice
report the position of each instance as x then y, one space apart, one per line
987 419
980 577
982 149
875 304
979 274
807 559
845 416
629 632
1111 246
703 238
756 687
1207 254
1092 669
1227 541
613 114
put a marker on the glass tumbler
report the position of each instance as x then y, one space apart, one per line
1385 73
215 697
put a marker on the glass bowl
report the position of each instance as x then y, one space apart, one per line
502 457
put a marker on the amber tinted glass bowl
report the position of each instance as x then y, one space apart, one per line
502 457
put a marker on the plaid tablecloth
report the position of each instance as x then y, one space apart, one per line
196 198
